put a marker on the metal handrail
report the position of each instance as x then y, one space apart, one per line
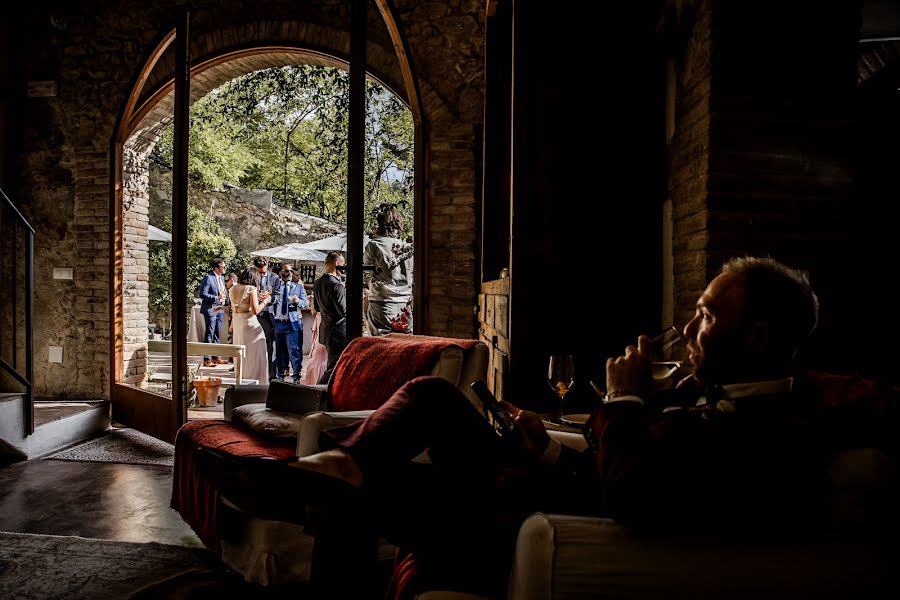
24 377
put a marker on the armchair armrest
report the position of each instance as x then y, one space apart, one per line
572 440
315 423
559 556
243 394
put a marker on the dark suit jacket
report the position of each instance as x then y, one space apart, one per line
755 468
209 291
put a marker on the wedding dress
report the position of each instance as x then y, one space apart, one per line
249 332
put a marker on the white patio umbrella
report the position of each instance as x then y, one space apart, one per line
335 242
155 234
291 251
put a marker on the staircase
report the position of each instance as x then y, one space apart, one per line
16 295
19 439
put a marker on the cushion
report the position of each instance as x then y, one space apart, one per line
293 398
268 422
372 368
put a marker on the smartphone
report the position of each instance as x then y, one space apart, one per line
505 424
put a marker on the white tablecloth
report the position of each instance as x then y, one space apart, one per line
197 326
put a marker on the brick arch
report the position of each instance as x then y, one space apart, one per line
149 110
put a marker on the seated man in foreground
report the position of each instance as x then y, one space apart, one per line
742 453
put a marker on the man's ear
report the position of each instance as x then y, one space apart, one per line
759 337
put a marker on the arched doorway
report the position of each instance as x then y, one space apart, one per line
148 111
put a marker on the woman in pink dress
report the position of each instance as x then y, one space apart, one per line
318 353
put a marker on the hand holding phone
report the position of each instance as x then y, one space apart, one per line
505 424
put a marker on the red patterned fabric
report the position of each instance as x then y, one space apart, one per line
402 583
194 492
373 368
833 390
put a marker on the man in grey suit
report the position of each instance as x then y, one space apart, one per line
268 281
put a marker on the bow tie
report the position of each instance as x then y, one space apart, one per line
714 401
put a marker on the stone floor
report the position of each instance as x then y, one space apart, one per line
126 502
46 411
109 501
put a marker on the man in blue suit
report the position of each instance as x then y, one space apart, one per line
288 324
212 301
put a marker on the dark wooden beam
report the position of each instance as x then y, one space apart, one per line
179 216
356 167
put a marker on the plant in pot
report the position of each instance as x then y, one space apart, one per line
206 387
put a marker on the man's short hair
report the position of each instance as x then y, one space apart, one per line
216 263
259 262
779 295
332 256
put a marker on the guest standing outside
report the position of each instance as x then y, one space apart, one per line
271 283
288 324
330 299
230 282
247 306
212 296
318 353
391 281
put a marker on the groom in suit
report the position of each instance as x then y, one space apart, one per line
212 299
268 282
742 452
288 324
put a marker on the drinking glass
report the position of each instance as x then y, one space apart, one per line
561 378
666 348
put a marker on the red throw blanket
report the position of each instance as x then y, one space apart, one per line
194 492
373 368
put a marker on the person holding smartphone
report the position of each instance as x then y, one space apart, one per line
743 456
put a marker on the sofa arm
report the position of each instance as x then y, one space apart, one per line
243 394
581 557
572 440
315 423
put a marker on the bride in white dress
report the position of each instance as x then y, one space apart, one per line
247 303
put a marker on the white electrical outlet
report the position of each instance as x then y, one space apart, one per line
56 354
63 273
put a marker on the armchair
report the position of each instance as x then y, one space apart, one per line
855 555
222 487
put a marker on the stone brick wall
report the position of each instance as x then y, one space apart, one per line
761 160
135 265
62 146
451 236
447 42
689 166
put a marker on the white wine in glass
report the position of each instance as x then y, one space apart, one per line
561 378
663 347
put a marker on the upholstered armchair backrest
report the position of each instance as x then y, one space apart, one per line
371 369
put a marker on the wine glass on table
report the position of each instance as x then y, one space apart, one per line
561 378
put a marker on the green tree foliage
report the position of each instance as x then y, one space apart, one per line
205 242
285 129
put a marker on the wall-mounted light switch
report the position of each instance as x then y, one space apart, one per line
56 354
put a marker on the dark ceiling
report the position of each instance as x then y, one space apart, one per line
881 18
